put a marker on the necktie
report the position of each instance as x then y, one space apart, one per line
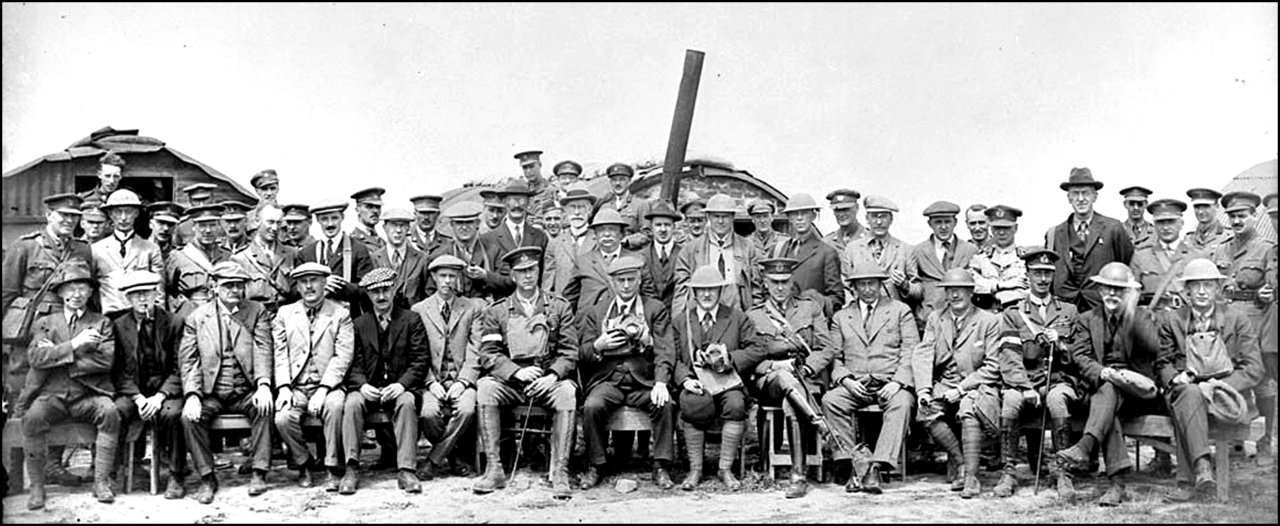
311 313
662 255
325 246
947 254
519 236
395 259
877 248
124 243
866 317
444 312
608 259
720 264
1082 230
706 323
382 322
75 318
1044 314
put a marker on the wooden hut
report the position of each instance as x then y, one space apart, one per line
154 170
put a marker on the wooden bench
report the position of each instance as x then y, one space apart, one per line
775 448
1158 432
311 426
65 434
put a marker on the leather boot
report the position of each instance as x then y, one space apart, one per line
1079 453
1205 483
489 426
106 447
208 486
1008 484
798 486
730 435
561 447
944 437
350 479
661 478
871 481
693 440
972 448
591 477
37 458
1115 492
257 483
56 473
1062 440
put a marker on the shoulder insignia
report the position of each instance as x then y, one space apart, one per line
30 235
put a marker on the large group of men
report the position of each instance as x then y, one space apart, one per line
546 294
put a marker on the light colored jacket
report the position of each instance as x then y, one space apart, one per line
139 254
460 337
329 340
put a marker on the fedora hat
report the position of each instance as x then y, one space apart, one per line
1081 177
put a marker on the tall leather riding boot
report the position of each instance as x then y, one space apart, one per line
106 448
971 433
561 447
798 485
490 428
693 440
1008 458
1061 440
942 434
730 437
37 458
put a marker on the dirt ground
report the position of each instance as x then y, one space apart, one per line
923 497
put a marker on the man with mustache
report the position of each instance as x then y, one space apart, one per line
369 212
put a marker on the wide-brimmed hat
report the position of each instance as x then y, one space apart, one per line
800 202
1224 402
1200 269
866 270
1116 274
958 277
609 216
1081 177
721 204
122 197
577 193
707 277
72 272
663 209
1134 383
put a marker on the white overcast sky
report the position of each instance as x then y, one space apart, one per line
968 103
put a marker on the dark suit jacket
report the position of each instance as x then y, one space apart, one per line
89 366
1237 333
361 264
165 335
1108 241
1139 344
819 270
590 283
482 256
499 242
654 363
731 327
411 277
402 360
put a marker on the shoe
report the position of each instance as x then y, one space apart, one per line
1114 496
691 480
1205 482
349 481
871 481
972 487
408 481
175 490
797 488
731 482
1066 488
590 478
332 482
957 484
1182 493
662 479
1162 465
841 472
460 469
36 460
257 484
57 474
204 495
1074 455
305 479
102 490
1007 486
430 471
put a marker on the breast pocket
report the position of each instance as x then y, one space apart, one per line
38 272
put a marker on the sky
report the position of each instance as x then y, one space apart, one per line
970 103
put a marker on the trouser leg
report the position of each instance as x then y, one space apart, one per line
839 406
1192 432
260 430
896 412
197 435
459 424
405 415
355 406
603 399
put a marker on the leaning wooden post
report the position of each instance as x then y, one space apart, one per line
680 125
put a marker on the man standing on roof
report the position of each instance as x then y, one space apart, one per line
494 210
267 184
110 172
122 252
1135 202
198 194
844 203
630 207
424 237
567 173
369 211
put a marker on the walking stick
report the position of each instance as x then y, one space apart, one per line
1044 412
515 465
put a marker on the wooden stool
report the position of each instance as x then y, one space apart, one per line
775 448
540 421
64 434
1158 432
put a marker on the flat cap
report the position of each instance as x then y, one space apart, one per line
521 258
623 264
296 211
529 157
609 216
1236 201
332 205
233 210
663 209
264 178
1163 209
879 203
1002 215
1080 177
446 261
369 196
1040 259
64 203
464 211
138 280
761 206
426 203
397 214
843 198
779 268
514 187
1203 196
1135 193
619 169
567 168
229 271
310 269
204 213
378 278
942 208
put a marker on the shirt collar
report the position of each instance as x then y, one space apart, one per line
702 314
530 304
626 306
1075 221
723 242
511 227
864 305
665 248
1207 315
616 252
68 313
937 243
125 239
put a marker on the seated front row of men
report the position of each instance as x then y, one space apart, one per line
453 361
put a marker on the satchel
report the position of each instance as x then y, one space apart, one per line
22 312
1207 356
